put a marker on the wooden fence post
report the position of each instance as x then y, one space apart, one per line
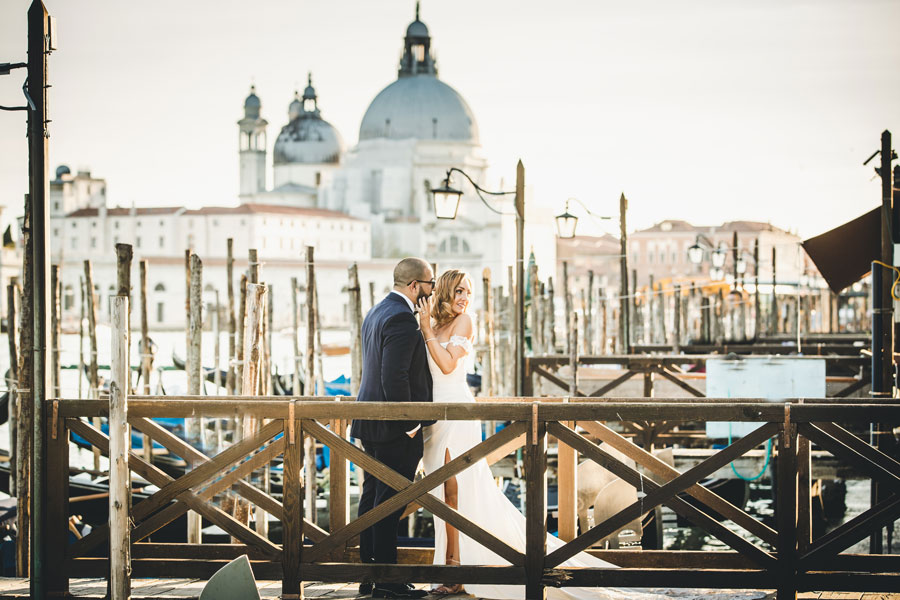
295 338
292 521
786 508
535 503
119 447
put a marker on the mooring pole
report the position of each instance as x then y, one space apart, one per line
38 49
520 279
624 318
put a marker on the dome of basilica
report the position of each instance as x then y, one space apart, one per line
307 138
419 105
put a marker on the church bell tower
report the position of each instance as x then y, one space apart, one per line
252 130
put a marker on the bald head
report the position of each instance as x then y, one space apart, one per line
410 269
414 278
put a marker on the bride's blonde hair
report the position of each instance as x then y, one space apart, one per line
443 296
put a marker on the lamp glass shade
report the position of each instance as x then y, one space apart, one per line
718 258
446 201
804 280
565 225
695 254
716 274
741 266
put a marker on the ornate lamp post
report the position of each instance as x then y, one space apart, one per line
446 204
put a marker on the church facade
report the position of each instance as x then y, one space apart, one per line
412 133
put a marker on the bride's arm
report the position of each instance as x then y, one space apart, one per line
445 358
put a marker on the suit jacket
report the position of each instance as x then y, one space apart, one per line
395 367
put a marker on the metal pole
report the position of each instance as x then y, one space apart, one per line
520 278
883 315
38 47
624 304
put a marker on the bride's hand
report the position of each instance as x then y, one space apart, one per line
424 309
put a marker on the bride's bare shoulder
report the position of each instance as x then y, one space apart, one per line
462 325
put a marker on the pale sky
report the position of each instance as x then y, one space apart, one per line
700 110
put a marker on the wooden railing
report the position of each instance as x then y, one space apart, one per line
786 557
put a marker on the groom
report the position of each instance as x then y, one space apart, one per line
395 369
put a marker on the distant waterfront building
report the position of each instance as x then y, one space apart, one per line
83 227
662 251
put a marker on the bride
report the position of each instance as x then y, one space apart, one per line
448 332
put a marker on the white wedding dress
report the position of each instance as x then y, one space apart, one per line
481 501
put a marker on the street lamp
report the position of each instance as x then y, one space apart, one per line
446 200
701 245
446 203
566 222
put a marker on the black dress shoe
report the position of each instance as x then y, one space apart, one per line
365 588
397 590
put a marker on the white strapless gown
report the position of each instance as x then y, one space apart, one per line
481 501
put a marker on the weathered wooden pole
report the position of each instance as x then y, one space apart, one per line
252 352
757 315
774 314
241 324
92 335
56 313
25 421
651 329
355 306
676 342
371 294
551 316
624 302
634 310
230 378
124 256
81 317
12 383
194 425
512 321
217 352
309 442
490 369
602 305
295 338
567 295
119 447
589 315
146 357
536 317
661 316
187 315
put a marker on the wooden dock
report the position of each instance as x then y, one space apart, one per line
189 589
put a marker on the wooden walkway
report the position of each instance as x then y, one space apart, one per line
189 589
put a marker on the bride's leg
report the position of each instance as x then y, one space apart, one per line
451 497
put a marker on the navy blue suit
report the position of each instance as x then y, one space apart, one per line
395 369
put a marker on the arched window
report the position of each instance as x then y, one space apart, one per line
159 288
